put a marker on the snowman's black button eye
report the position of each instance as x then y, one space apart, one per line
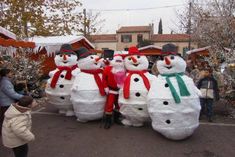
162 58
92 57
136 79
172 57
138 56
61 55
129 58
137 94
168 121
165 102
62 76
69 55
110 59
61 86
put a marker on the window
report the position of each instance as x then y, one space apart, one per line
126 38
185 49
105 48
139 38
126 49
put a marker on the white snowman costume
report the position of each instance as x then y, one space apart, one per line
173 99
88 94
133 94
59 85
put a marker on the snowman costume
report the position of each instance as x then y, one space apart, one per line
59 85
88 93
173 99
133 94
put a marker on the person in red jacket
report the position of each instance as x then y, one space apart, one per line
113 78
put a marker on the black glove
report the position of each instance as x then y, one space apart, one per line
107 121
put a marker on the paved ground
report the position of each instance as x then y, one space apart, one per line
59 136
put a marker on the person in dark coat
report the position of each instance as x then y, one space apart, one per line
210 92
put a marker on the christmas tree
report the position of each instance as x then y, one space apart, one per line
26 71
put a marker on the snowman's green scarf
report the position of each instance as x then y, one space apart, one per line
183 89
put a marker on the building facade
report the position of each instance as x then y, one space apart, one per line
131 35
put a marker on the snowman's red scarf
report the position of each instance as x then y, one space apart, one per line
68 75
126 88
97 79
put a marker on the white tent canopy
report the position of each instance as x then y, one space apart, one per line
198 50
53 43
7 50
150 47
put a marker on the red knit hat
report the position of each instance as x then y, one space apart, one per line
133 51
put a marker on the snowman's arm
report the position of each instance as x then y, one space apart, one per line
152 79
51 73
195 88
75 72
75 84
198 92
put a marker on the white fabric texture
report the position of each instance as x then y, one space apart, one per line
65 60
87 102
134 109
174 121
176 64
60 95
16 128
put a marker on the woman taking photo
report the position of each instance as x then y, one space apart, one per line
7 93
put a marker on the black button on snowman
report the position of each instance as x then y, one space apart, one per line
136 79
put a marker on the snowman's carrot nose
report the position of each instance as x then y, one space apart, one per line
64 57
133 59
97 59
167 61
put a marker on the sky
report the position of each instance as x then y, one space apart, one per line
136 13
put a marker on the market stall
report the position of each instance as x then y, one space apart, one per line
46 47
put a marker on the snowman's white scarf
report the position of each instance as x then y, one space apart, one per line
183 89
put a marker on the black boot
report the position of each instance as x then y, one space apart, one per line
210 119
116 117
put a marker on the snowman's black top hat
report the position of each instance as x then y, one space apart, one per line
169 49
108 54
66 49
83 52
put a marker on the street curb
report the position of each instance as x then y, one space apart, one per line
217 124
57 114
46 113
